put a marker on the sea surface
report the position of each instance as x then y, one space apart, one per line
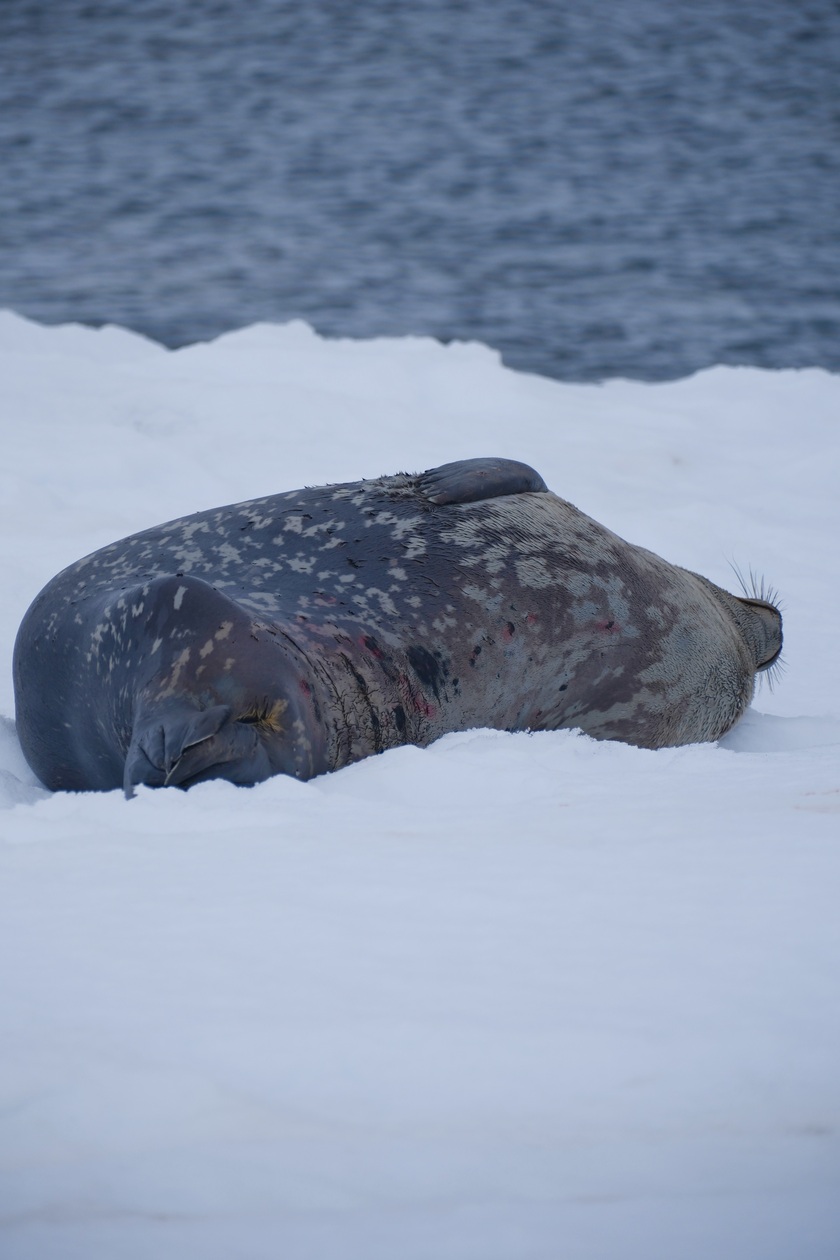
596 189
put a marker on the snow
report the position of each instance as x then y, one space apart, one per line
508 997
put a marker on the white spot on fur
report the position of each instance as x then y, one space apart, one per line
466 533
321 527
179 597
188 557
177 670
405 526
385 602
443 623
532 572
194 527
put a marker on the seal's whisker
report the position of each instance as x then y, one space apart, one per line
736 569
756 586
773 675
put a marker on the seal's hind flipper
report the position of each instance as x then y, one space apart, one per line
468 480
158 745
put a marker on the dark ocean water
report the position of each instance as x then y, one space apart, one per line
639 188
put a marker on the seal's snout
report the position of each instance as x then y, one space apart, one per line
766 626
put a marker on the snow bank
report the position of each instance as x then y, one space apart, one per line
511 996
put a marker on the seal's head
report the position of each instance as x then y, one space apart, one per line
730 640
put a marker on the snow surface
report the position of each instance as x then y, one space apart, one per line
511 996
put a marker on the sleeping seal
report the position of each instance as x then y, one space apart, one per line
297 633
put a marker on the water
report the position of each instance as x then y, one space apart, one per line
639 188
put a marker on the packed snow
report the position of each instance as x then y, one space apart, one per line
509 997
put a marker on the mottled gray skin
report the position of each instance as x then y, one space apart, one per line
297 633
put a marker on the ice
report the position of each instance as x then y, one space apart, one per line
508 997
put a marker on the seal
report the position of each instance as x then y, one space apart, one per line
297 633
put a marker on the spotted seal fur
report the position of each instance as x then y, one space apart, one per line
297 633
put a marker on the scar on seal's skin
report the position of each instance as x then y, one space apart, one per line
297 633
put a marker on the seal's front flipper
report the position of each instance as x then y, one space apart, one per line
159 743
469 480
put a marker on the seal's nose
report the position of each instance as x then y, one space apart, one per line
767 628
